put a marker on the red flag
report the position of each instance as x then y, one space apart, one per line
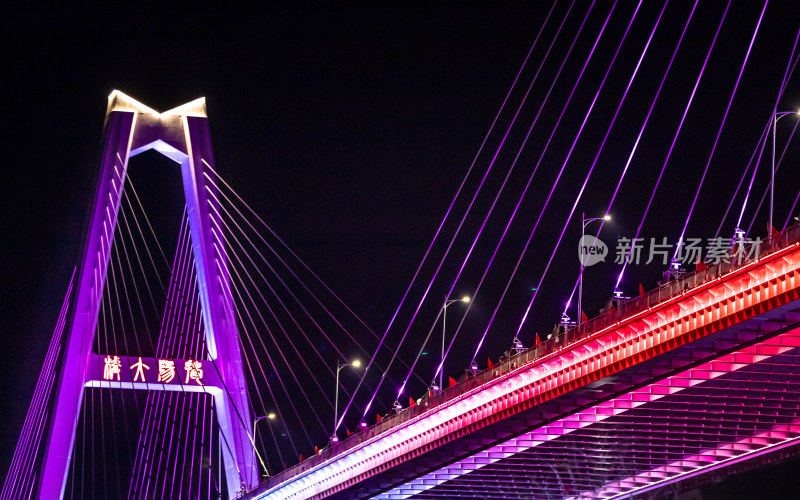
538 341
641 290
584 317
452 381
411 402
316 450
379 417
734 249
491 365
774 232
302 458
348 431
700 265
430 393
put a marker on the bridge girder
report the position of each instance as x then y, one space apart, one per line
746 295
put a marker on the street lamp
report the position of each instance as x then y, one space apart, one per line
270 416
775 117
447 302
355 364
584 223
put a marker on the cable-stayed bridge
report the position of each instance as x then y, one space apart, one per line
198 356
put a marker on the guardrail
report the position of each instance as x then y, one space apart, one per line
627 308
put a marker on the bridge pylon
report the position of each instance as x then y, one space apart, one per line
181 134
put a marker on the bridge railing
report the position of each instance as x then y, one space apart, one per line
469 381
688 281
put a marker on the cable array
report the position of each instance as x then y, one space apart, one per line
570 121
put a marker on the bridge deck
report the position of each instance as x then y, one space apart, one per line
679 313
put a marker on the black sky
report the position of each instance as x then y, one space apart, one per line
349 130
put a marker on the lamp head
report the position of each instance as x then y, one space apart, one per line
465 298
607 217
356 363
271 416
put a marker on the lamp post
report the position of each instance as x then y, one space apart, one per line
775 117
355 364
447 302
270 416
584 223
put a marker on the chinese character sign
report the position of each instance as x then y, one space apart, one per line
140 367
659 251
166 370
151 373
194 371
111 367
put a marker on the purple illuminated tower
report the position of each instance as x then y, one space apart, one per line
181 134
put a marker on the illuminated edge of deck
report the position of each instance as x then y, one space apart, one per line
675 322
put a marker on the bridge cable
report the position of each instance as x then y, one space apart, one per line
757 152
225 216
252 244
672 145
719 132
164 339
178 304
502 187
271 361
281 302
569 155
112 285
20 477
236 274
790 68
291 252
791 211
778 165
291 271
636 143
263 299
441 225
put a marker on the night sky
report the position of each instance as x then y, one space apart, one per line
350 131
